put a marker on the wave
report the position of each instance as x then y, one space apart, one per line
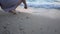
43 4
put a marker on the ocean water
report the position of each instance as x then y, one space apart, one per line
43 4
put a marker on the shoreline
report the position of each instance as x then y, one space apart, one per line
30 21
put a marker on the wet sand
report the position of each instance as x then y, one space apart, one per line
30 21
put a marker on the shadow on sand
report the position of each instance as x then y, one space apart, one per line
25 23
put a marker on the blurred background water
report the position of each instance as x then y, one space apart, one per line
43 4
43 0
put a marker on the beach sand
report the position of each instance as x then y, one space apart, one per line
30 21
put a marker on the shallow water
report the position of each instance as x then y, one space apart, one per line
51 4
